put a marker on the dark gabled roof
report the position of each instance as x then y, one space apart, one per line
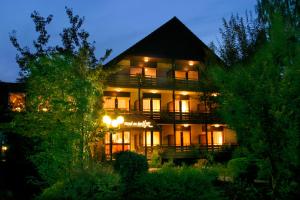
171 40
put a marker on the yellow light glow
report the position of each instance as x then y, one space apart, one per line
44 109
114 123
118 90
120 120
4 148
154 91
184 93
191 63
185 125
214 94
106 119
216 125
146 59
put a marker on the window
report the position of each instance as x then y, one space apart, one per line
123 103
182 106
135 70
17 102
150 72
180 75
155 105
217 137
183 138
156 138
120 141
193 75
111 103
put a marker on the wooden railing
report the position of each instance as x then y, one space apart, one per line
155 83
167 151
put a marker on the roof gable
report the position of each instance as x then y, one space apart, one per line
171 40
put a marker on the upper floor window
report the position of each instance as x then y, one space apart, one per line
135 71
182 106
17 102
186 75
150 72
116 102
151 105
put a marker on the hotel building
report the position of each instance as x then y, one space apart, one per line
159 88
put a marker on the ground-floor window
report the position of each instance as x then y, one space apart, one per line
215 137
154 140
120 141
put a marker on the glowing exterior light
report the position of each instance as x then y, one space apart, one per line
184 93
216 125
185 125
154 91
114 123
44 109
106 120
120 120
214 94
146 59
118 90
4 148
191 63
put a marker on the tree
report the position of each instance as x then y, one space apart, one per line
259 101
240 38
63 91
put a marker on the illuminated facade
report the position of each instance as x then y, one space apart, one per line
160 82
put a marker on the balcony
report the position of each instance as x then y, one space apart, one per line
154 83
177 117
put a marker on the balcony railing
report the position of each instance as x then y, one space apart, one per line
193 151
154 83
177 117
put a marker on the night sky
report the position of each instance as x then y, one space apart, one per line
115 24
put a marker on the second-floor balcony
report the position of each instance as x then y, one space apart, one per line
174 117
154 83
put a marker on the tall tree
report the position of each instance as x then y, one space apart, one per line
259 102
63 91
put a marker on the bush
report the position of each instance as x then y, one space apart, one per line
155 159
97 183
242 169
130 165
183 183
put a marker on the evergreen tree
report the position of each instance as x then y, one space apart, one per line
260 101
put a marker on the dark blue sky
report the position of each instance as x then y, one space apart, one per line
115 24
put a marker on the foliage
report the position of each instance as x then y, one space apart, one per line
240 38
92 183
176 183
259 100
130 165
242 169
63 88
155 159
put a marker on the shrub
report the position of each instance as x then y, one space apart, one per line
183 183
242 169
130 165
96 183
155 159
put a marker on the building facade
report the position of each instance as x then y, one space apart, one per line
161 91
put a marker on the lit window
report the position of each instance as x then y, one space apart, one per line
155 105
193 75
180 74
17 102
183 104
156 138
150 72
123 103
135 71
109 103
183 138
217 137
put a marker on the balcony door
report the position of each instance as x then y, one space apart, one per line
183 138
